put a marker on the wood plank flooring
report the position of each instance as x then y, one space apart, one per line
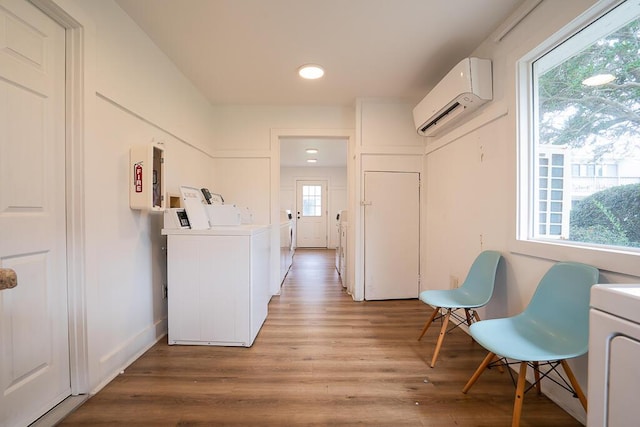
320 359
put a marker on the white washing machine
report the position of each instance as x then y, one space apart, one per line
342 246
614 356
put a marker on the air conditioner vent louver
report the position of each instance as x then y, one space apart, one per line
468 85
440 116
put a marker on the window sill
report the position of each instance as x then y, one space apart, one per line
613 260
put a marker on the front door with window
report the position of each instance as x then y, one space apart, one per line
311 218
34 345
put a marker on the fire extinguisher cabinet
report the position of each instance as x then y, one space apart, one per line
146 178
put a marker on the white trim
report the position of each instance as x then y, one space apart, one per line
151 123
235 154
78 334
275 136
417 150
79 41
113 373
617 260
492 113
584 19
516 18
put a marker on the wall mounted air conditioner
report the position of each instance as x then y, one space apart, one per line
465 88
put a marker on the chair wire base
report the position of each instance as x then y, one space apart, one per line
553 366
459 320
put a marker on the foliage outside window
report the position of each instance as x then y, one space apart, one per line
585 174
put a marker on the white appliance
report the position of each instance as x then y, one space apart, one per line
223 215
194 203
218 283
338 241
342 245
464 89
176 218
344 232
614 356
286 243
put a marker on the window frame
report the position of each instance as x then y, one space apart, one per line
609 258
319 196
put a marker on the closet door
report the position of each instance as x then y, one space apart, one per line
392 235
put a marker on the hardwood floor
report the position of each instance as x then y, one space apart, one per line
320 359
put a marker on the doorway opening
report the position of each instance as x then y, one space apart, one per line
314 192
311 214
317 190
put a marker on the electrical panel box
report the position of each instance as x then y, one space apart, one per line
146 178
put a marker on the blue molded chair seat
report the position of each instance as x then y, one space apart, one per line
521 338
476 291
459 297
552 328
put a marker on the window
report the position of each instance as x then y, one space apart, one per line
312 200
580 173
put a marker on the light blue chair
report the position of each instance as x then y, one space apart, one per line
553 327
475 292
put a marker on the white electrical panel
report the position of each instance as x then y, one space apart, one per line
146 178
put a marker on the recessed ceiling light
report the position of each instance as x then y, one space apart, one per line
311 150
311 71
598 80
312 160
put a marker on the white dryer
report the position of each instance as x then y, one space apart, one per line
342 246
614 356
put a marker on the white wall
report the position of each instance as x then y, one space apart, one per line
244 153
134 96
247 128
337 192
386 140
245 183
247 157
132 72
471 187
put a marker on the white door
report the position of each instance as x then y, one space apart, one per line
34 344
391 235
311 218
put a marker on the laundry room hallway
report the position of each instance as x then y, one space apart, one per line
319 359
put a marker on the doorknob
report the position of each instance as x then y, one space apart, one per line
8 278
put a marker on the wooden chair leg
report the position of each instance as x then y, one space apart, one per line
475 314
443 332
479 371
517 405
574 384
536 374
428 323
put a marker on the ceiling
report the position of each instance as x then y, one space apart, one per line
332 152
247 52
